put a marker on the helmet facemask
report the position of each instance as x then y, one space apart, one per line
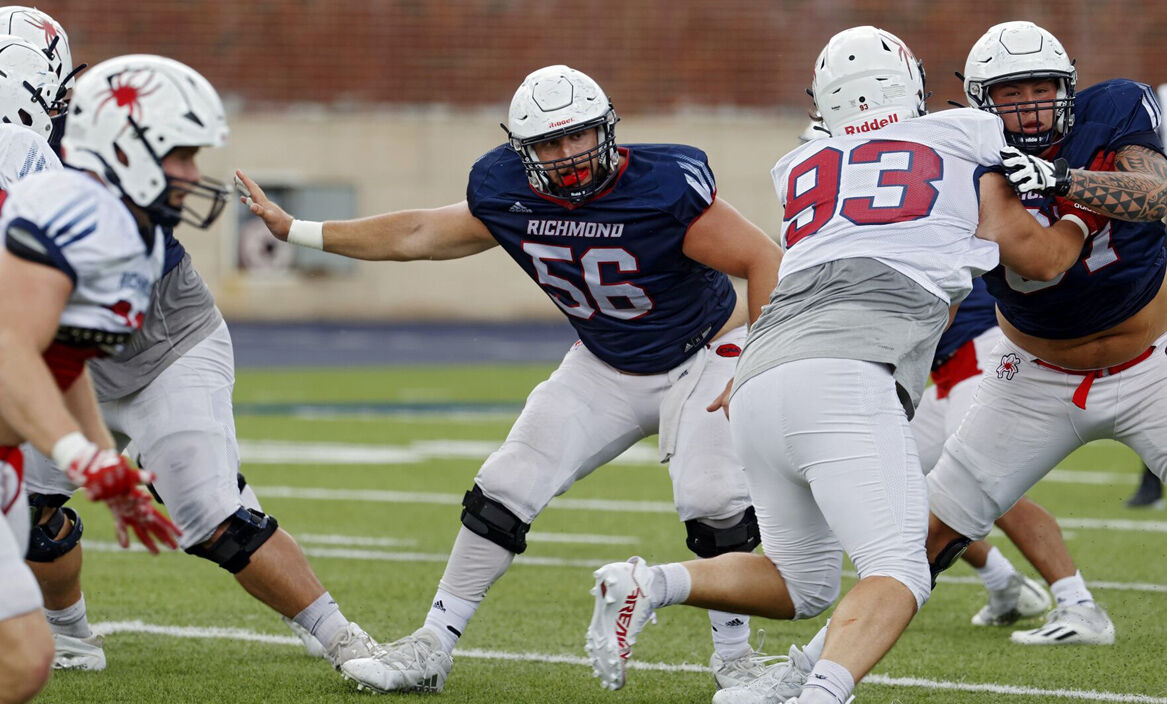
1033 141
1017 52
580 176
210 194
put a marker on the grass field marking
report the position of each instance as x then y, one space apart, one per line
364 540
111 627
383 556
617 505
533 536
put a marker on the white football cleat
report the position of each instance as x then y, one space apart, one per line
740 671
1073 624
1022 598
73 653
350 644
779 683
311 645
415 663
622 610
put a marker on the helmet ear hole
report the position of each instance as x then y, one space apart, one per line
121 156
25 118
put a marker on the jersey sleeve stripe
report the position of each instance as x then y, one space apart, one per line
696 179
79 201
25 240
1151 105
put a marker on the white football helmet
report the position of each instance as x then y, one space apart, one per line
127 114
1019 51
45 33
556 101
27 85
866 78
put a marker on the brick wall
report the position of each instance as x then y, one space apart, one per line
650 55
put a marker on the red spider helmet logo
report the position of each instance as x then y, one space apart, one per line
127 89
45 25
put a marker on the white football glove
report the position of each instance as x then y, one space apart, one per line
1031 174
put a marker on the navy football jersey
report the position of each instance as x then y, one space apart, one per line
614 264
977 313
1121 266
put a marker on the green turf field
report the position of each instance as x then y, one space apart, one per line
369 481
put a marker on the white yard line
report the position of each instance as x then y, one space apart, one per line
590 564
112 627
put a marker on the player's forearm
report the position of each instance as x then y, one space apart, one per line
30 402
760 283
388 237
81 402
1043 253
1136 191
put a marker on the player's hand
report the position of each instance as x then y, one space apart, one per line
250 194
103 473
136 509
1031 174
722 400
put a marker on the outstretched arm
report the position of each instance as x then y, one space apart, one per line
449 232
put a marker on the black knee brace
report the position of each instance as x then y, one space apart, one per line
486 517
246 531
949 555
706 541
43 545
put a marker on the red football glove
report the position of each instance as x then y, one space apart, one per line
104 473
136 510
107 476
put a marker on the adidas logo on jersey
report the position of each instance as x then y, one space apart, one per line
439 606
734 623
520 208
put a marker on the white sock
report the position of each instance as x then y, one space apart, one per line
670 585
322 618
814 649
829 683
731 634
448 616
70 621
1072 590
997 572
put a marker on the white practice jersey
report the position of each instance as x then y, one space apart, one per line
905 195
68 220
23 152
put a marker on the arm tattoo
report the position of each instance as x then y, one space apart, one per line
1136 190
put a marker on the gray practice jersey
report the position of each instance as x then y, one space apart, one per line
182 313
849 309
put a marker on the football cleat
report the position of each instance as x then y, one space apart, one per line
778 683
350 644
740 671
622 610
1149 494
1073 624
415 663
73 653
311 644
1022 598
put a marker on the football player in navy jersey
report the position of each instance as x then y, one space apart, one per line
1082 356
633 244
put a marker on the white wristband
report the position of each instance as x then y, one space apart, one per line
307 233
1079 222
69 447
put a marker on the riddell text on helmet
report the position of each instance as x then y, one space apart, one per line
872 124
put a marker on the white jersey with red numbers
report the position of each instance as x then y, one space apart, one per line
23 152
904 195
70 221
